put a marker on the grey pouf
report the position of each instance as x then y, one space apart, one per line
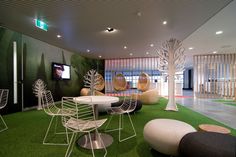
164 135
207 144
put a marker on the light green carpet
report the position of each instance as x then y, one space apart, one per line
226 102
26 131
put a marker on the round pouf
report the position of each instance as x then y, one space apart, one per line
207 144
164 135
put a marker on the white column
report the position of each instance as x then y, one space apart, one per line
15 92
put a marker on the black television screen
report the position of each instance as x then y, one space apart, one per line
60 71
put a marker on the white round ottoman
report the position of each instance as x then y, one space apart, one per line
164 135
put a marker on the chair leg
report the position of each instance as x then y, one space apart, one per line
121 140
91 143
108 123
56 127
120 125
132 125
121 121
5 128
46 135
109 130
71 144
67 136
102 143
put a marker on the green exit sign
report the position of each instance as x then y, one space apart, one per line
40 24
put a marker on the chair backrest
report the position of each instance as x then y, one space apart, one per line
129 105
125 105
83 108
48 103
3 97
133 103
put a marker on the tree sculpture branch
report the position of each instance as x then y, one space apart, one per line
38 88
91 80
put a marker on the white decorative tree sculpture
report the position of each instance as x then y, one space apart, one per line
172 60
38 87
91 79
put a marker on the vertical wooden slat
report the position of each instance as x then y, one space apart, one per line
217 75
194 77
209 75
229 74
221 74
231 89
233 79
214 67
224 69
234 76
197 75
202 74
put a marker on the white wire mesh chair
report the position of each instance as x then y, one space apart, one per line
51 109
3 103
127 107
83 122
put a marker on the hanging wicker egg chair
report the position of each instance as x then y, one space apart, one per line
101 83
119 82
143 82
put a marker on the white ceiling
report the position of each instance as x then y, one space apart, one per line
205 41
139 24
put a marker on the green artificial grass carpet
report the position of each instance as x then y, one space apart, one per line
26 131
226 102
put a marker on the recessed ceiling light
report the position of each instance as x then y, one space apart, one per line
110 30
164 22
58 36
151 45
125 47
88 50
100 56
214 52
131 54
190 48
139 14
219 32
147 53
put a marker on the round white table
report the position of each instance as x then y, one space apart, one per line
96 101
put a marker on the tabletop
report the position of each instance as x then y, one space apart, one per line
97 99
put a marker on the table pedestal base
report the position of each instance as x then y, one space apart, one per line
85 142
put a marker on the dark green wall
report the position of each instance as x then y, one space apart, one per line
37 59
6 65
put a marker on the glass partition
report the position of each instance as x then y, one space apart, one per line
131 69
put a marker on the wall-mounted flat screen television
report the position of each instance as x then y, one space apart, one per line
60 71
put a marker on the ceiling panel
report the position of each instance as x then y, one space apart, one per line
82 23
